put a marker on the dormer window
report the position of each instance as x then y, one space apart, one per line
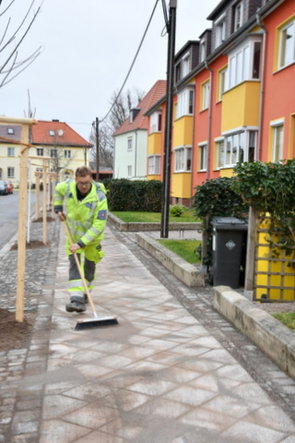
156 122
238 11
183 67
133 114
10 131
202 49
220 30
51 132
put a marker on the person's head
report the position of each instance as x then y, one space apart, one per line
83 178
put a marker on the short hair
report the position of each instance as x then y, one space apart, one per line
83 171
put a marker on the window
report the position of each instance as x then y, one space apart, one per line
287 45
154 164
67 153
205 95
53 153
51 132
222 81
10 131
10 172
185 102
240 146
40 152
220 30
156 122
129 170
10 152
129 144
203 150
244 63
238 15
183 159
202 50
277 141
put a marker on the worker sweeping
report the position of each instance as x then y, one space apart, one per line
82 203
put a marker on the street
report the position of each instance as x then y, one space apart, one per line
9 215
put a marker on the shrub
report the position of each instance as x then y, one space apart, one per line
176 210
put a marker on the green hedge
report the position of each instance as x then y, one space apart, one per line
134 195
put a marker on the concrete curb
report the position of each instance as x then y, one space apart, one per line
272 337
139 227
189 274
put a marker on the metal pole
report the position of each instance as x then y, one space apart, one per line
168 120
97 147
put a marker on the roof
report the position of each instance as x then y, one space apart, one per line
56 133
141 121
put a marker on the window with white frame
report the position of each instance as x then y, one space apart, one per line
156 121
277 141
220 30
67 153
202 49
51 132
129 144
222 81
40 152
10 131
53 153
10 152
185 102
129 170
203 155
238 15
153 164
239 146
244 63
287 45
183 159
10 172
205 96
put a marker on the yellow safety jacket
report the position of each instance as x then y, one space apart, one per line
87 218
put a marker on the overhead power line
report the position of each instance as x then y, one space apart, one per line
133 62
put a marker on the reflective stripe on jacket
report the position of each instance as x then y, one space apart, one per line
87 218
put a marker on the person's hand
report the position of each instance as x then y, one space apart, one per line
74 248
62 216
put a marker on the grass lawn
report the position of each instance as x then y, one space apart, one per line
148 217
287 318
184 248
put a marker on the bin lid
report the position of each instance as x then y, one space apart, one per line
229 223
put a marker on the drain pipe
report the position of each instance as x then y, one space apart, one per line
261 99
209 121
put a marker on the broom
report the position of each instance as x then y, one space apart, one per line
96 321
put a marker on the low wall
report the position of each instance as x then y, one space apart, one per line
275 339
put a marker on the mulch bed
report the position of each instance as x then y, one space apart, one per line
14 334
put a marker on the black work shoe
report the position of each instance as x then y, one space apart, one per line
75 306
86 298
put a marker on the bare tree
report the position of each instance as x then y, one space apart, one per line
119 112
11 40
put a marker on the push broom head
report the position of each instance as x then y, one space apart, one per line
96 322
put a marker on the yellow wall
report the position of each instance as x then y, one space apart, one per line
240 106
154 143
154 177
181 185
226 172
183 131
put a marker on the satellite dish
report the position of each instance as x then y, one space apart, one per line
60 132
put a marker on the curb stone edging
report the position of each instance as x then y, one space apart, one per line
272 337
189 274
152 226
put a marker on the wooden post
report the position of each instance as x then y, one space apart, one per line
44 232
22 226
250 256
37 215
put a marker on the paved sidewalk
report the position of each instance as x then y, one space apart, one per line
157 377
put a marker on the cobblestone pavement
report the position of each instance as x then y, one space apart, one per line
173 370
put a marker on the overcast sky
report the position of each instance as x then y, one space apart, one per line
87 49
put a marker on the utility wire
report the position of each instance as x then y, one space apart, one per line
132 64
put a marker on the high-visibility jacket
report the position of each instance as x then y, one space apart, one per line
86 218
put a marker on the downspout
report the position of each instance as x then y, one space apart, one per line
193 148
209 121
261 99
135 156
